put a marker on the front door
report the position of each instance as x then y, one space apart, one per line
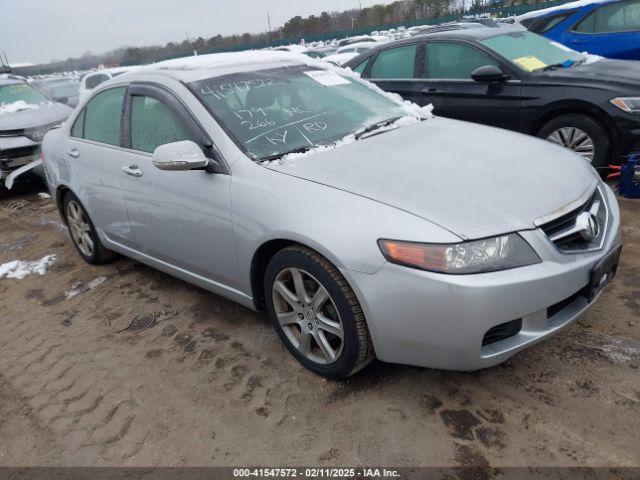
181 219
448 86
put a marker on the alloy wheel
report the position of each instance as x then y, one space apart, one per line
80 228
575 139
308 316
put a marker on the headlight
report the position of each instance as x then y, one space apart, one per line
488 255
628 104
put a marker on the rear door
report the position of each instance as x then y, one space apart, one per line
611 30
93 158
179 218
448 86
395 70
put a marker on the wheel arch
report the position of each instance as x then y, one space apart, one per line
265 252
576 107
61 191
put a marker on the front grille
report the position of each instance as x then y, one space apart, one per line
502 331
581 229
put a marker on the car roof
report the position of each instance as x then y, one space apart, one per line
191 69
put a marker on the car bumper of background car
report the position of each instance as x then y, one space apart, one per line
469 322
16 152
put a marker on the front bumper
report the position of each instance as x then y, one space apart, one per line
16 152
439 321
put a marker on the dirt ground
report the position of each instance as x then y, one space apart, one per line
208 382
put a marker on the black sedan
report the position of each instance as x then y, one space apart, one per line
519 81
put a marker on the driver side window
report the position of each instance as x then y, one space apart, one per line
454 60
154 124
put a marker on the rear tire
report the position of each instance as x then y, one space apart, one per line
567 130
318 317
83 233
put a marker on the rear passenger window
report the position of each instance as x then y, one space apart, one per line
395 63
455 60
154 124
78 127
102 117
361 68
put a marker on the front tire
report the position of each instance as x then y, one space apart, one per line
579 133
83 233
316 313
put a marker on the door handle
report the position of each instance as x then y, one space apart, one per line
575 40
73 152
430 90
132 170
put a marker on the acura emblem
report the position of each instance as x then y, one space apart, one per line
588 227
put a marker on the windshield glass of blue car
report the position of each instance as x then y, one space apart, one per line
531 52
273 112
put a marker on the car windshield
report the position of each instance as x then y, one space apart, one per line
532 52
276 111
21 92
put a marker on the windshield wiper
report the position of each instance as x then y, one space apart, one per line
278 156
375 126
565 64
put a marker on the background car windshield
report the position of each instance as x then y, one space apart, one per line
274 111
530 51
21 92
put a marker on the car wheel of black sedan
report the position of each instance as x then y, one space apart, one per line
83 233
316 313
581 134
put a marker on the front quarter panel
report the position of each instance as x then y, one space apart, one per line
343 227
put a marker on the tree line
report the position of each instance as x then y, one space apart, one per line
293 30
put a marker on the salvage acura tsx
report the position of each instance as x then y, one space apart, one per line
361 224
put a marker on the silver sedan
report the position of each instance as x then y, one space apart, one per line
362 226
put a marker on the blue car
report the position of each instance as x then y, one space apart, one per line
607 28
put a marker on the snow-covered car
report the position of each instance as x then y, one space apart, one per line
26 114
63 90
362 225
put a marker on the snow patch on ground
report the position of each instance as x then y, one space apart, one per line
44 195
78 288
17 107
19 269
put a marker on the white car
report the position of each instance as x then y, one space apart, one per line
93 79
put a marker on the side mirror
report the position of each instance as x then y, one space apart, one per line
489 73
61 99
180 156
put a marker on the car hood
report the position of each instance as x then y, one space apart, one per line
602 73
45 114
472 180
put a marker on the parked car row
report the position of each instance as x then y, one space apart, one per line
362 226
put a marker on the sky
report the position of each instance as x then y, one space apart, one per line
37 31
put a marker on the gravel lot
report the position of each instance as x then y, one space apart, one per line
198 380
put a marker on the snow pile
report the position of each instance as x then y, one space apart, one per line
16 107
19 269
591 58
78 288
